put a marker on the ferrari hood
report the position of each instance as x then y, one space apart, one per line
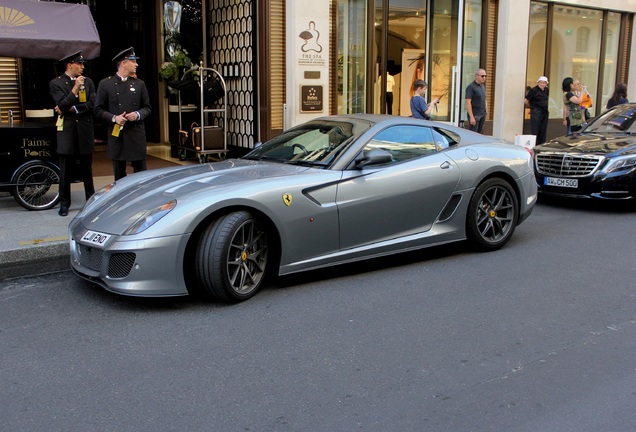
599 144
136 195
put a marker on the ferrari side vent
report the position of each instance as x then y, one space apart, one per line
121 264
450 208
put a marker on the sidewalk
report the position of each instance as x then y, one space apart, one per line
36 242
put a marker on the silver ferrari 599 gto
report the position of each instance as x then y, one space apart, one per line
334 190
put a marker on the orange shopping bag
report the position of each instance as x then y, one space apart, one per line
586 102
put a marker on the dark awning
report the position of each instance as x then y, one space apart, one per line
46 30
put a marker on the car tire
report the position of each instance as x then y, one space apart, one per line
37 185
492 214
231 258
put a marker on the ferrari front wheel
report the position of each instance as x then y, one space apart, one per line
231 257
492 214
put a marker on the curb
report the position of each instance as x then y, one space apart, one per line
34 261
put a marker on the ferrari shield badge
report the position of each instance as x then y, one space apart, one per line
287 199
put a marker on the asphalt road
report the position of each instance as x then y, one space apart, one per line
540 336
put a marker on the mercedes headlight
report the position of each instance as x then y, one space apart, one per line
621 163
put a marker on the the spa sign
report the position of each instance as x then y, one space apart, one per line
36 148
311 47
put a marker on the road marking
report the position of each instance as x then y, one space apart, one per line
38 241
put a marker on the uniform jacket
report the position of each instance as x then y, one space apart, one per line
78 133
114 97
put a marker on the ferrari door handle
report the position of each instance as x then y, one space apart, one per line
445 165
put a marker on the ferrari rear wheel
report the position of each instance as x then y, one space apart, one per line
231 258
492 214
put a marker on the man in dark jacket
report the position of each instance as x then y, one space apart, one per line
123 103
537 100
74 97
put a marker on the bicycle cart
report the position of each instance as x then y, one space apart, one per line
28 165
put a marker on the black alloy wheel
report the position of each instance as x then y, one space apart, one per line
231 258
492 214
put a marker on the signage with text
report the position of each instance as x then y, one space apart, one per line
311 99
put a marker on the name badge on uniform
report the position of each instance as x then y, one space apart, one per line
132 88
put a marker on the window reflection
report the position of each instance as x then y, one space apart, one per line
352 56
576 46
611 59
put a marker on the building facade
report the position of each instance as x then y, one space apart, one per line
288 61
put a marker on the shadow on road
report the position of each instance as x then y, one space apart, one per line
168 304
595 205
374 264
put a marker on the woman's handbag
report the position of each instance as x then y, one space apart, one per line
575 113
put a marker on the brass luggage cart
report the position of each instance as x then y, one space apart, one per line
204 140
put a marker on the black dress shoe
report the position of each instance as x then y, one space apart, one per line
63 211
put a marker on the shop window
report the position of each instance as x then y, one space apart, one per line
582 39
535 67
611 55
576 37
471 54
352 56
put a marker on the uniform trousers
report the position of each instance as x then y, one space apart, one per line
67 168
119 167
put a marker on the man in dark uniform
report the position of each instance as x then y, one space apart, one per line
74 96
123 103
537 100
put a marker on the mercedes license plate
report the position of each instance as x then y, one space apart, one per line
561 182
96 238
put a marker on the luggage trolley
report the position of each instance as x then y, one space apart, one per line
202 139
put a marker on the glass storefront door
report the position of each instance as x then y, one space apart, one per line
437 41
425 39
352 54
444 58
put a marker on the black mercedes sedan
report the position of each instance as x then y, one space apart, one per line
597 162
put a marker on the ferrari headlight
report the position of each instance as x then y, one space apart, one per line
97 195
147 219
620 164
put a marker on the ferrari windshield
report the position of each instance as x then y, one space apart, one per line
316 143
621 119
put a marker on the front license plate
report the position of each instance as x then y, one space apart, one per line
96 238
560 182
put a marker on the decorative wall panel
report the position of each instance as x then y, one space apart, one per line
231 33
